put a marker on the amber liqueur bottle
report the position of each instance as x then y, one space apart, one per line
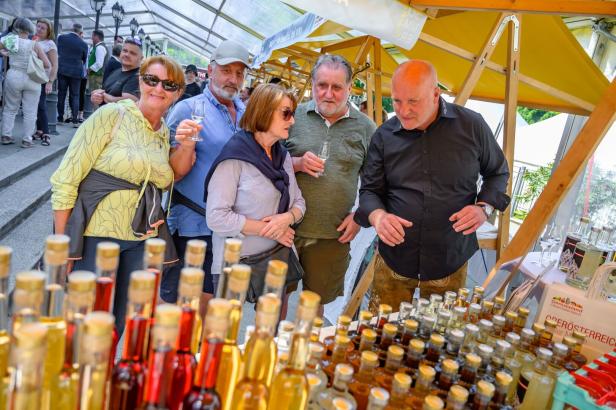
153 259
447 378
409 331
468 374
341 346
203 395
457 397
342 328
184 364
363 380
384 375
422 387
388 333
400 390
194 258
290 387
414 356
383 317
434 349
128 376
365 317
483 397
107 260
368 337
378 399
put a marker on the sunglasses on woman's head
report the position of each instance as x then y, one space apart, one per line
287 113
152 81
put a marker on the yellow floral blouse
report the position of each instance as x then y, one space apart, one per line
135 153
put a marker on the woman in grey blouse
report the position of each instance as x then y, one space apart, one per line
251 177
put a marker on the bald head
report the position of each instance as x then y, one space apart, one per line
415 94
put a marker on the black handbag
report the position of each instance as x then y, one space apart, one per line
258 264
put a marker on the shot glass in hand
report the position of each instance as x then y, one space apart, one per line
323 154
197 115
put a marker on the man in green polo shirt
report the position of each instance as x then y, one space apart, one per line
329 185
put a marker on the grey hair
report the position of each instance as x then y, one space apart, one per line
335 61
77 28
23 25
214 64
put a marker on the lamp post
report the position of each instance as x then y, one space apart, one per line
117 12
97 6
141 34
133 27
148 41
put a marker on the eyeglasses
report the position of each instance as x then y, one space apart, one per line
134 40
287 113
152 81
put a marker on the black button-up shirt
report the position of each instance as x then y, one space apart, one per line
425 177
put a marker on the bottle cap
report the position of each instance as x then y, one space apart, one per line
550 324
107 255
485 325
368 334
390 329
432 402
417 345
435 298
499 300
365 316
458 393
167 314
308 306
344 372
30 335
487 304
56 249
231 253
450 366
479 290
81 281
384 309
444 315
5 261
464 292
485 388
395 352
471 329
511 315
344 320
379 396
538 328
154 253
217 316
267 311
426 372
485 351
437 340
32 280
314 381
342 340
278 268
340 403
474 307
473 360
369 357
503 379
410 325
581 337
239 278
498 320
317 322
402 381
502 347
560 349
543 353
524 312
141 288
570 341
316 350
450 295
191 282
459 310
527 334
456 336
428 321
195 252
99 324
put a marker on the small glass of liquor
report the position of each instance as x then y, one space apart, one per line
197 115
323 155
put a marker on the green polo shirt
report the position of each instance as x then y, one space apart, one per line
331 197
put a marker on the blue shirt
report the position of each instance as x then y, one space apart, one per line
218 128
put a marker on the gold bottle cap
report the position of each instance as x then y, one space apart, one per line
369 357
570 341
239 278
32 280
5 261
395 352
344 371
308 306
503 379
499 300
488 304
464 292
379 396
195 252
191 282
368 334
450 366
417 345
155 245
168 314
581 337
459 393
511 315
57 243
426 372
437 340
278 268
107 255
524 312
384 309
30 335
268 304
550 323
365 316
317 322
314 381
141 287
432 402
479 289
344 320
485 388
81 281
316 350
232 250
538 328
402 381
411 325
340 403
390 329
473 360
342 340
98 324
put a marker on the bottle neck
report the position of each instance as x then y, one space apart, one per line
235 317
340 384
366 344
339 353
299 344
54 301
135 333
209 361
392 363
366 370
187 323
258 347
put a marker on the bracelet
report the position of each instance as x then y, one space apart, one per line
292 216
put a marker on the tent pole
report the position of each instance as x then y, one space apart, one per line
590 136
378 85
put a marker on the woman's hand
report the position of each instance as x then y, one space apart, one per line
185 131
48 87
276 225
286 239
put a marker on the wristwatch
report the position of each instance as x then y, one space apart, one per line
487 209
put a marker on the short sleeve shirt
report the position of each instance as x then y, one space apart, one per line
120 82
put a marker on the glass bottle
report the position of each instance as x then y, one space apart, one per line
231 357
454 343
283 344
388 334
365 317
342 328
587 257
383 317
313 366
457 397
409 331
556 365
477 295
535 386
341 346
421 309
436 301
499 305
457 318
94 360
469 372
340 388
405 311
107 260
275 278
485 352
368 337
570 365
526 357
426 325
471 332
414 355
315 332
434 349
128 376
448 376
497 361
463 297
194 258
378 399
252 391
498 326
422 387
342 403
363 380
28 297
503 382
153 259
472 316
26 367
203 395
400 390
485 391
5 268
384 375
485 330
230 257
546 337
432 402
539 330
486 309
56 254
78 304
449 300
510 319
442 321
579 358
520 323
571 240
513 364
290 388
184 363
315 387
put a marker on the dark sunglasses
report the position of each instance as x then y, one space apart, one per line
287 113
152 81
134 40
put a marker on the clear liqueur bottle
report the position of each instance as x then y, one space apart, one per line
339 389
590 257
571 240
540 383
230 257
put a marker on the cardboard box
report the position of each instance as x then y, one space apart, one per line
572 310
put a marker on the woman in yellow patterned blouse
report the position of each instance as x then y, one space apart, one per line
122 149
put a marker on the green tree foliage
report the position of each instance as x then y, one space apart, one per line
534 181
602 196
185 57
532 116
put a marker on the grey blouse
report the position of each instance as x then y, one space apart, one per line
237 191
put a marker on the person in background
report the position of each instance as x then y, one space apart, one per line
251 187
45 39
118 40
114 61
419 189
323 238
192 87
19 89
72 55
246 93
97 59
123 83
119 149
191 160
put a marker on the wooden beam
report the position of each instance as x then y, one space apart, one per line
562 179
360 290
511 105
364 50
548 89
600 8
354 42
298 54
480 63
378 84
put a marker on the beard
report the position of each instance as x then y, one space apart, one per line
221 92
329 109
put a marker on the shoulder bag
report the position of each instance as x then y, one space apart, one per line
36 70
